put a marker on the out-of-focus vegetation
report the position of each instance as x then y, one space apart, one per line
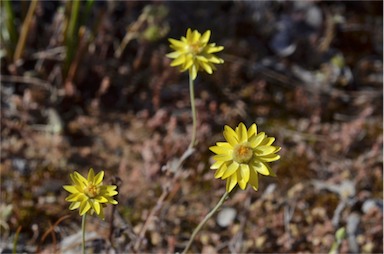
87 84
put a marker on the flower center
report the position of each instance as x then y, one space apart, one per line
242 153
195 48
91 190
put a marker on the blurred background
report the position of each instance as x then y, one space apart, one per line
87 84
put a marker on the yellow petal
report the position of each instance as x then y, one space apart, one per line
79 179
262 168
201 58
252 130
99 178
230 135
101 199
113 202
224 144
219 173
264 150
215 60
244 172
205 37
206 67
91 175
241 182
70 188
269 158
84 207
220 150
74 205
242 134
75 197
216 165
193 72
256 140
230 170
214 49
222 157
188 63
254 179
96 206
189 33
195 36
177 43
174 54
231 183
178 61
267 141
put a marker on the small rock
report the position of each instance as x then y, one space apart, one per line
226 217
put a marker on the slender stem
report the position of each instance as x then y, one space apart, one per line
83 230
192 95
24 31
202 223
16 239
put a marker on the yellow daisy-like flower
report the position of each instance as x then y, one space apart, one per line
90 195
245 155
194 53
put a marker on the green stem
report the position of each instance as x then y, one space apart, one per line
72 34
83 230
202 223
24 31
192 95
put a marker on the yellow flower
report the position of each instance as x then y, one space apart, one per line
194 53
90 195
245 155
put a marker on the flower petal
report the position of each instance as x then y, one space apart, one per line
262 168
96 206
256 140
242 134
193 72
231 169
70 188
230 135
84 207
221 150
231 183
269 158
173 55
267 141
224 144
99 178
240 181
214 49
74 205
222 157
254 179
206 67
219 173
91 175
205 37
79 180
252 130
176 43
217 165
178 61
244 172
264 150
